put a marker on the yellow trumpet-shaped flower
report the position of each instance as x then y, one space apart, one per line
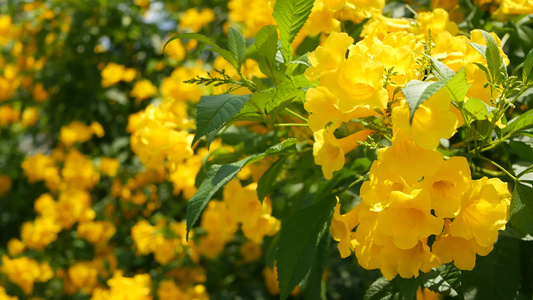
330 56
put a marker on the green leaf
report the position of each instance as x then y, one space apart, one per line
458 86
482 49
382 289
441 71
300 235
237 46
265 184
314 287
266 43
525 171
258 101
214 111
522 122
494 59
203 39
291 16
445 280
407 287
476 110
218 175
523 149
522 208
497 275
416 92
527 75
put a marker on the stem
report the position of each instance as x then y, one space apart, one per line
290 124
498 166
296 115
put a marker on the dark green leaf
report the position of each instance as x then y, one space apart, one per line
266 183
203 39
291 16
300 235
218 175
522 208
523 149
497 275
314 287
237 46
407 287
522 122
382 289
527 75
214 111
416 92
445 280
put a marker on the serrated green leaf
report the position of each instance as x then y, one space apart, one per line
214 111
482 49
476 110
258 101
266 182
521 122
441 71
290 16
407 287
527 75
494 59
237 46
445 280
497 275
522 208
458 87
266 43
218 175
203 39
314 287
300 235
382 289
416 92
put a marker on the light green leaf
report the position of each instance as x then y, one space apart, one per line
214 111
497 275
524 121
265 184
266 43
291 16
300 235
494 59
476 110
458 87
416 92
522 208
527 75
441 71
237 46
218 175
203 39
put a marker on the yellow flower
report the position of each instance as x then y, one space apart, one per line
250 251
168 290
427 294
8 115
40 233
484 211
447 186
515 7
5 184
25 271
109 166
30 115
79 172
142 90
432 120
341 228
38 167
457 249
408 262
137 287
329 151
144 236
436 21
39 93
328 57
408 218
83 276
358 85
112 73
194 20
77 132
252 14
97 232
5 296
322 19
71 206
376 191
15 247
175 50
